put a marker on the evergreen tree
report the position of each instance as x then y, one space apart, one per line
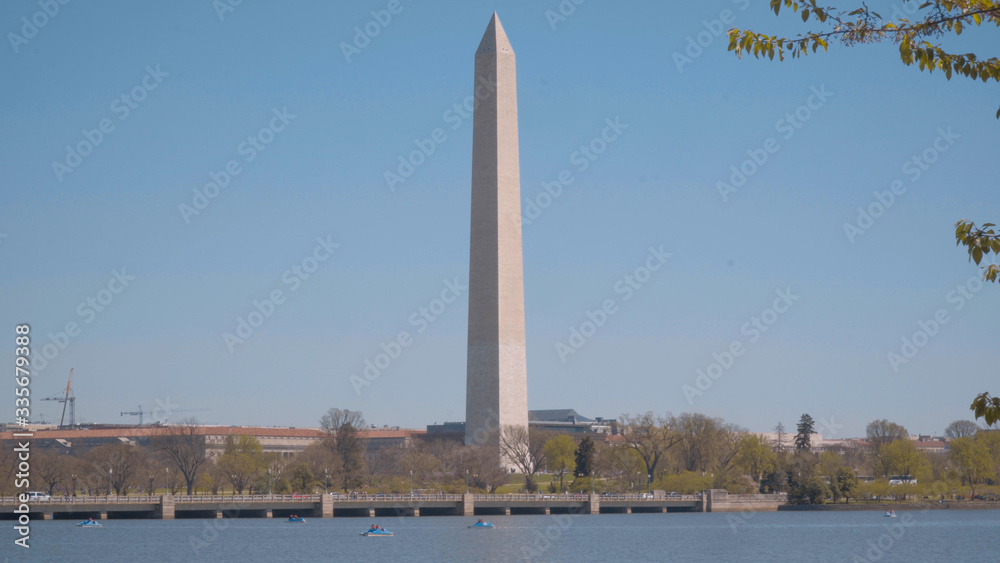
585 458
780 430
805 428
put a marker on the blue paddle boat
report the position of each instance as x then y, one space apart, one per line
296 519
374 532
91 523
483 524
890 514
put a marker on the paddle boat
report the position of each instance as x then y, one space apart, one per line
376 532
89 523
295 518
890 514
483 524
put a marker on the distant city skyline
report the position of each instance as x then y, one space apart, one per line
250 210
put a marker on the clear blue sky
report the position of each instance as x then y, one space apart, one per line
217 81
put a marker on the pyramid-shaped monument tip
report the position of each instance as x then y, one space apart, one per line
495 38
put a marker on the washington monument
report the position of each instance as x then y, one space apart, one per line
497 378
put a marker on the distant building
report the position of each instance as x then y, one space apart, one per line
566 421
930 443
787 440
283 441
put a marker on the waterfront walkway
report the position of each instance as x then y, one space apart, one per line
341 505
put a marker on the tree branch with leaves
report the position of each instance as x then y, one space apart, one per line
864 25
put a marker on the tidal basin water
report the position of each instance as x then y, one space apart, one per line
937 535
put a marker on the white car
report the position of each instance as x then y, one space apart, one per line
35 496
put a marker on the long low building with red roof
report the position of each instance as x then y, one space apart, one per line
285 441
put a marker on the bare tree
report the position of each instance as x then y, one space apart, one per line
182 447
524 448
53 470
881 433
119 463
343 436
323 462
483 466
8 466
213 476
780 431
961 429
383 462
650 437
422 465
705 443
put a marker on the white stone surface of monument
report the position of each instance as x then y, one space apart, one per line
497 386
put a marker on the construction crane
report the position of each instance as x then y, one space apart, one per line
68 399
134 413
141 412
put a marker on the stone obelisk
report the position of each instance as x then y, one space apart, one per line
497 379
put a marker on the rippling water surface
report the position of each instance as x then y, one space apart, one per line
939 535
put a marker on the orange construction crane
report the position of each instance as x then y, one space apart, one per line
68 399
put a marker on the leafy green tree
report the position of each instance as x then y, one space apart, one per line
323 462
805 427
979 241
559 456
863 25
847 483
584 460
811 490
754 457
972 460
302 479
213 477
880 433
902 458
775 482
987 408
991 441
242 462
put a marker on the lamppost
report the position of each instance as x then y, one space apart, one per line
326 481
166 480
466 481
109 481
702 485
269 481
713 480
649 483
411 482
74 484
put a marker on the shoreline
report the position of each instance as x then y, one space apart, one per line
897 506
